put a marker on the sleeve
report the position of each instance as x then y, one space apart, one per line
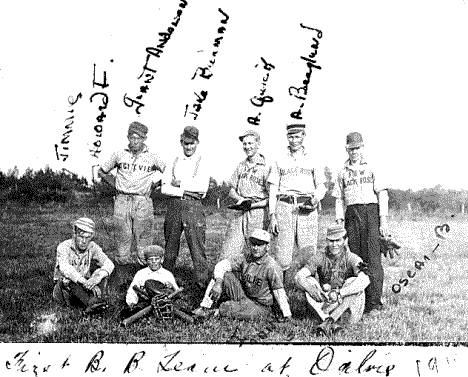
201 181
275 276
274 177
221 268
159 164
111 163
339 209
103 260
379 181
132 298
64 266
337 191
234 180
167 188
282 300
383 203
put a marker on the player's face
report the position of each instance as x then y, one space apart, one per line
82 239
258 248
335 246
189 146
135 142
355 154
250 146
296 140
154 263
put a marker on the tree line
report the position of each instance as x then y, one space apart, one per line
46 185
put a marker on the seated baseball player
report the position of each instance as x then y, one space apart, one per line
247 286
149 279
74 283
334 281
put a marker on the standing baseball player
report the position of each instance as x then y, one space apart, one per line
340 283
187 181
133 208
252 292
249 187
297 186
360 191
74 283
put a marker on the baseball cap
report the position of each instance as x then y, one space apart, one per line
294 128
335 232
190 132
153 251
354 140
250 133
137 128
261 235
85 224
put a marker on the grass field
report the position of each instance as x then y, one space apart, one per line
433 307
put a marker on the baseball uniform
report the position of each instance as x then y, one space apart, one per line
249 180
357 188
298 179
343 273
133 207
185 212
71 265
252 294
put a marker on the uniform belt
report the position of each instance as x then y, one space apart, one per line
131 194
291 199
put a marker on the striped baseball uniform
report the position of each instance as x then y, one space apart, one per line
249 180
133 207
298 178
358 187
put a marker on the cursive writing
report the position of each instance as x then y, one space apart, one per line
100 118
147 74
259 101
64 142
301 92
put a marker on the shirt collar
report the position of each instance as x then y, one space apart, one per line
355 166
75 249
258 261
144 150
258 159
301 153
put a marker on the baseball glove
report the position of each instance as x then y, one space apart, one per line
388 247
244 206
307 207
162 306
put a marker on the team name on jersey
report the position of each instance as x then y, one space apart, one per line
133 167
296 171
252 178
252 279
354 178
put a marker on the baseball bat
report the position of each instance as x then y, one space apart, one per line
146 310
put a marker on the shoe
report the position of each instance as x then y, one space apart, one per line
325 328
370 308
204 313
96 307
337 329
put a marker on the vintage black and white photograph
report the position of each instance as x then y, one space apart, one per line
211 184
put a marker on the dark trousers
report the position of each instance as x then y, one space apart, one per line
362 224
187 216
72 294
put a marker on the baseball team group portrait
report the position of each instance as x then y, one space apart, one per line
207 174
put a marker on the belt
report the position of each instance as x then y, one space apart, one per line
131 195
290 199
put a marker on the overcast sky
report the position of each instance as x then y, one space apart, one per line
394 71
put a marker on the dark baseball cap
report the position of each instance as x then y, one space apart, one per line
190 133
294 128
354 140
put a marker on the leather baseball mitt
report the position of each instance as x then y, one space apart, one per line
388 247
244 206
308 206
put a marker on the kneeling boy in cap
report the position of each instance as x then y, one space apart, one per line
154 272
74 284
342 279
254 291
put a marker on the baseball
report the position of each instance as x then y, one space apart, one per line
333 296
326 287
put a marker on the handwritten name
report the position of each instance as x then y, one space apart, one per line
259 101
64 142
418 265
301 92
147 74
205 72
100 118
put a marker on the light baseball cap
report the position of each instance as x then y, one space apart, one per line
335 232
253 133
85 224
153 251
261 235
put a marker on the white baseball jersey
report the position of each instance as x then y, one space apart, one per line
134 173
250 179
357 184
296 174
